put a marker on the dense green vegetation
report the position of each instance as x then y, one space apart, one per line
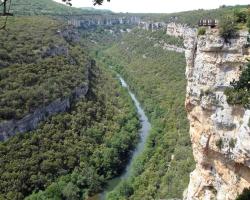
162 171
39 62
239 93
85 146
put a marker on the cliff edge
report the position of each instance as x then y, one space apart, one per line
220 132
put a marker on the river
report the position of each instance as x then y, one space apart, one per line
144 132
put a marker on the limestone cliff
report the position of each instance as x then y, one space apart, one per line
88 22
220 132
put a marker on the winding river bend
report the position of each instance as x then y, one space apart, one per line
144 132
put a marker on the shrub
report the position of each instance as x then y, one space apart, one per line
245 195
248 22
237 97
239 94
240 16
219 143
201 31
228 28
232 143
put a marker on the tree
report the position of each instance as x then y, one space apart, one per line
240 94
240 16
71 192
96 2
245 195
228 28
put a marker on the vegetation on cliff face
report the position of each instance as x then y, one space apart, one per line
157 78
239 94
84 147
40 61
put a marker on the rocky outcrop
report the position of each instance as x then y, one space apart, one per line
173 29
220 132
152 26
70 34
88 22
169 47
55 50
31 121
180 30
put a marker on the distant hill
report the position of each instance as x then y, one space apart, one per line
96 10
48 7
191 17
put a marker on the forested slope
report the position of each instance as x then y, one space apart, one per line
40 60
45 7
157 77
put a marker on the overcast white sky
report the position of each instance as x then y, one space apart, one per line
157 6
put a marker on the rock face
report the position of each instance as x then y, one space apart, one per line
220 132
31 121
88 22
70 34
173 29
152 26
56 50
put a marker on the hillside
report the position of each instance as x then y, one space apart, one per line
41 60
191 18
48 7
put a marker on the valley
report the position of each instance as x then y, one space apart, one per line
120 106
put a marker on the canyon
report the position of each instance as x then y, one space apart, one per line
222 171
